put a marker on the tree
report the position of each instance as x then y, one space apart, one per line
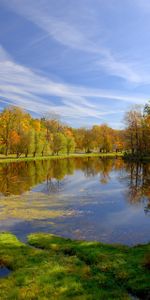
13 123
37 143
22 134
45 143
70 144
88 143
97 137
58 143
79 137
28 142
146 129
133 133
7 120
118 140
147 109
103 137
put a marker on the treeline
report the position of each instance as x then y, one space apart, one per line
21 134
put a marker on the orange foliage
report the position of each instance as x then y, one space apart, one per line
15 138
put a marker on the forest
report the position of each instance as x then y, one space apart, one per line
23 135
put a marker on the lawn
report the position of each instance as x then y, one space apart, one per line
51 267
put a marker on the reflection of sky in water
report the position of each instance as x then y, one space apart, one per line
78 207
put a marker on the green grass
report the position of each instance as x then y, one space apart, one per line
8 159
58 269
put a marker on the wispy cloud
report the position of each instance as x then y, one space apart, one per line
20 85
122 70
68 34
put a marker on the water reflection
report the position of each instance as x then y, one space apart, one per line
90 198
16 178
137 178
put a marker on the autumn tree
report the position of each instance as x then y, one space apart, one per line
146 129
118 140
88 143
133 134
79 137
106 138
14 122
7 120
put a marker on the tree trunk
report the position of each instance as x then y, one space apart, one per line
6 152
26 155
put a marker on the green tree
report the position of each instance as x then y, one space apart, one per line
28 140
37 143
58 143
70 144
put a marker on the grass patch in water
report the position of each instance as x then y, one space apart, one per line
58 268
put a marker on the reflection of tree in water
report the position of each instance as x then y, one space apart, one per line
147 209
88 166
57 173
102 166
106 168
53 186
16 178
137 176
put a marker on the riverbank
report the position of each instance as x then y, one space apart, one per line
58 268
8 159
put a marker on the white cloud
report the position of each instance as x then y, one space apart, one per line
21 86
73 36
122 70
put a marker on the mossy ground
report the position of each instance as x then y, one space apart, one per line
57 268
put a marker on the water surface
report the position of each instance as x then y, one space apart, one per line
90 198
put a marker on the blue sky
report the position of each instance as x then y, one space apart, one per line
86 60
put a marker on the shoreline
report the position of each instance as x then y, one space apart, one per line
10 159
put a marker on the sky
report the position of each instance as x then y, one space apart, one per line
87 61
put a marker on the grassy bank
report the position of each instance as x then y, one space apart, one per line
57 268
4 159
